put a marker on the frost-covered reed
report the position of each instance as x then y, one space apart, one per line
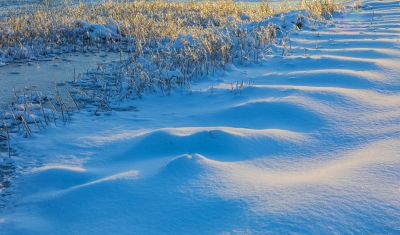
125 25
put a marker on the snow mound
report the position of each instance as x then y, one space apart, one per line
185 166
268 113
96 31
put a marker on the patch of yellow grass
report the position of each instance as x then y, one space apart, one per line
144 20
322 8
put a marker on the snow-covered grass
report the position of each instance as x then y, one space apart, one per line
139 24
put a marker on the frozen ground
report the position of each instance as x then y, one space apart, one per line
309 144
44 74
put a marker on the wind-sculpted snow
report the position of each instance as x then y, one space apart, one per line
308 143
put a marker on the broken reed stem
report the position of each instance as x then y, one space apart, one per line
8 138
44 115
26 126
73 100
